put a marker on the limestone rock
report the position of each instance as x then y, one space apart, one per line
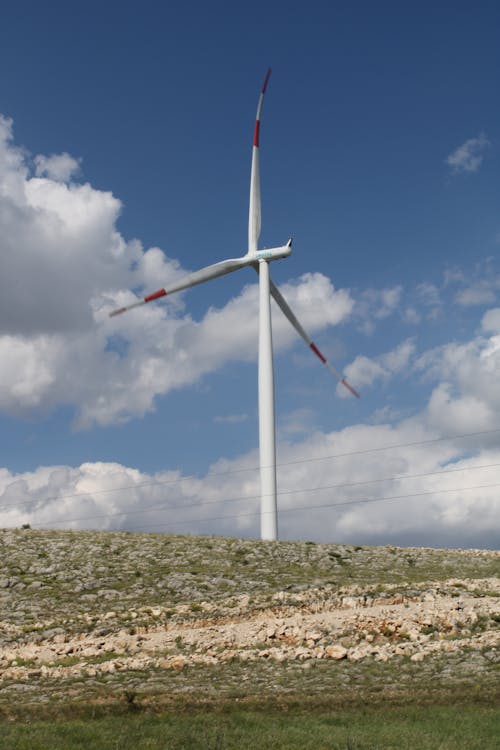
336 652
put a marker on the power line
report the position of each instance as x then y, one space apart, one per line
330 505
163 483
390 447
283 492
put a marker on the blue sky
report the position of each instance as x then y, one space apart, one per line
125 159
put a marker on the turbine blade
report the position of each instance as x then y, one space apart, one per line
254 216
285 308
192 279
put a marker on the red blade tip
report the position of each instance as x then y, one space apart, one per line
117 312
266 79
350 388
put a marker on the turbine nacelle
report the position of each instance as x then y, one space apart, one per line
271 253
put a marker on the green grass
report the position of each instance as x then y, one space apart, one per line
464 727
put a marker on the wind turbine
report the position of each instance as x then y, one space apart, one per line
259 260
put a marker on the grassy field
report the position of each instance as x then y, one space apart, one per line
459 727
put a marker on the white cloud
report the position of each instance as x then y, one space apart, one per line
491 321
386 415
412 316
467 397
428 294
27 370
364 484
369 483
57 346
478 294
474 286
390 299
469 156
377 304
59 247
397 359
364 371
65 265
298 422
457 414
453 275
471 287
59 167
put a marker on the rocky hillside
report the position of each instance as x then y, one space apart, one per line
87 615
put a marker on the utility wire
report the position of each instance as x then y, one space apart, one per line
327 505
170 482
303 507
164 509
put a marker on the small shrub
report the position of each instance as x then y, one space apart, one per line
429 629
130 700
481 623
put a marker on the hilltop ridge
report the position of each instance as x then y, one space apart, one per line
94 615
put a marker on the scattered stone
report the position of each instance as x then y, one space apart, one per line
173 608
336 652
419 656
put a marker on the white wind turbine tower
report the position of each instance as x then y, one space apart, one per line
260 260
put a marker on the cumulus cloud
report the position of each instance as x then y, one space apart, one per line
428 479
477 287
65 265
59 248
59 167
428 294
364 371
412 316
478 294
297 422
491 321
469 156
466 397
370 484
397 359
390 300
375 305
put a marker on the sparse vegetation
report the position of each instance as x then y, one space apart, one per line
148 626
